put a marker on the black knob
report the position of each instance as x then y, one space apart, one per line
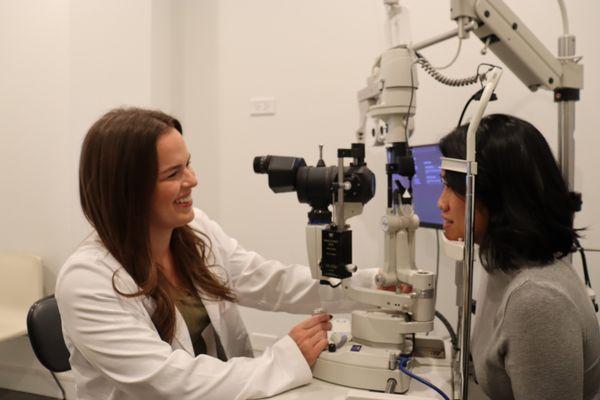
261 164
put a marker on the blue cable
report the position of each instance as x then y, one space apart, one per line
402 365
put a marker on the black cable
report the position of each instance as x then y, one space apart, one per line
62 390
586 274
477 94
491 67
462 114
453 337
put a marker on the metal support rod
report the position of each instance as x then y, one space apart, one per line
443 37
566 125
339 209
471 170
566 141
456 381
456 372
390 386
566 122
465 344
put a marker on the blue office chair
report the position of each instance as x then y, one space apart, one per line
45 335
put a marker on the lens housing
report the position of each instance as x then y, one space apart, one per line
315 185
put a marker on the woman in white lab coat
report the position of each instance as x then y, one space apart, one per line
149 301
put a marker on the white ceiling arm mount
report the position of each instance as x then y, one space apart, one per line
516 46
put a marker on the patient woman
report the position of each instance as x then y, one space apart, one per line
536 335
149 301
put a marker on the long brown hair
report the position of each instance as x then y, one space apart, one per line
118 171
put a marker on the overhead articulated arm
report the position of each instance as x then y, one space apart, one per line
516 46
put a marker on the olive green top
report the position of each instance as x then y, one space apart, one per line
196 318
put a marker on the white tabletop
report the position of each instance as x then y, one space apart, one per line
319 390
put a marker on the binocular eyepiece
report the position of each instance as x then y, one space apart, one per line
282 171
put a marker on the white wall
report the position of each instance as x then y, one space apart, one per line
64 63
35 149
197 100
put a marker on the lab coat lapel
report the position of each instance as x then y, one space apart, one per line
182 335
213 311
213 307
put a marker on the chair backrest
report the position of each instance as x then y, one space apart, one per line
45 334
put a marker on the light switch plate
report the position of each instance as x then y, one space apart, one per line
262 106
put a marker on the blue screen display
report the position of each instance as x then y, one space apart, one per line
427 184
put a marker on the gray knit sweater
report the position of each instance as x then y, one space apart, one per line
536 336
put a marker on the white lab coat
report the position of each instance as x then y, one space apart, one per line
116 352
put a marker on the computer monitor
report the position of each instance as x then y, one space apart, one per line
427 184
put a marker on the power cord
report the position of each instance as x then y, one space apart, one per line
586 274
453 337
402 364
477 95
453 59
62 390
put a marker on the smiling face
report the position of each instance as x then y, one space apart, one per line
171 204
452 207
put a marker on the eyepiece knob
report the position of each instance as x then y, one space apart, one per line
261 164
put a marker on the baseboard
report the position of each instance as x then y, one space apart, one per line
35 379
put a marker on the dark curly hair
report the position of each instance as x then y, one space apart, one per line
519 182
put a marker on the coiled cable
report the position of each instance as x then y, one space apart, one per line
438 76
